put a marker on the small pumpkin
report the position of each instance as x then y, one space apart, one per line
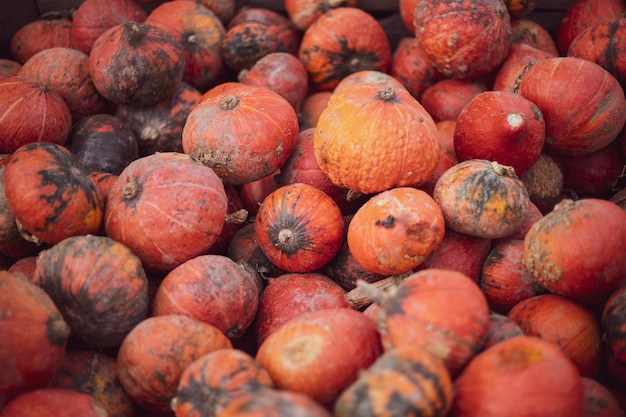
156 352
102 142
48 31
395 231
167 208
242 132
304 12
403 381
392 140
482 198
62 201
519 57
411 66
33 337
335 45
563 254
31 112
445 99
136 63
200 32
463 39
299 227
213 381
532 33
244 246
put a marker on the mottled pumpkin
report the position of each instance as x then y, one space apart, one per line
60 402
304 12
391 141
48 31
411 66
62 201
613 321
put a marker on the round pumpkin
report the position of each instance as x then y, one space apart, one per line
482 198
48 31
394 231
61 200
354 124
167 208
533 33
445 99
31 112
243 132
304 12
411 66
61 402
299 227
99 285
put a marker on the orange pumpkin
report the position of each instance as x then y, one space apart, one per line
445 99
520 55
304 12
482 198
342 41
61 402
223 9
395 230
299 227
369 76
411 66
532 33
391 141
49 31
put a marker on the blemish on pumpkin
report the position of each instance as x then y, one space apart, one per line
387 223
57 330
302 350
130 190
517 359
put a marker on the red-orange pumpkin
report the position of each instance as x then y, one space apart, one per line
312 106
342 41
31 112
482 198
411 66
463 39
394 231
136 63
445 99
99 285
299 227
501 328
61 202
157 351
200 32
349 133
532 33
520 55
304 12
568 253
61 402
244 246
49 31
243 132
520 8
599 400
167 208
33 337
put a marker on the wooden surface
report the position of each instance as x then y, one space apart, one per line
15 13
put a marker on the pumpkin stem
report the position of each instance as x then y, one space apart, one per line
514 119
238 217
229 102
26 235
149 133
387 94
335 3
503 170
192 39
286 236
130 190
352 195
378 292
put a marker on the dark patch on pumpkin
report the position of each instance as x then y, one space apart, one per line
613 320
611 52
387 223
245 44
57 330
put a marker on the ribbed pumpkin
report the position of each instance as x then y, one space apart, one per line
61 200
243 132
48 31
167 208
482 198
372 138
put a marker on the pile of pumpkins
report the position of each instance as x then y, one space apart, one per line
208 210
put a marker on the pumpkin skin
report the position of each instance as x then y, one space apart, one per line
530 32
275 403
521 376
439 310
445 99
243 132
301 355
613 319
9 67
244 246
500 126
368 76
403 381
159 128
33 337
63 201
299 227
223 9
563 255
66 71
574 127
582 14
519 57
154 355
407 9
395 230
292 294
59 401
94 17
354 158
567 323
281 72
98 284
213 381
47 32
500 328
136 63
464 39
95 373
31 112
601 44
482 198
333 46
304 12
312 106
103 142
200 32
213 289
599 400
152 191
411 66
